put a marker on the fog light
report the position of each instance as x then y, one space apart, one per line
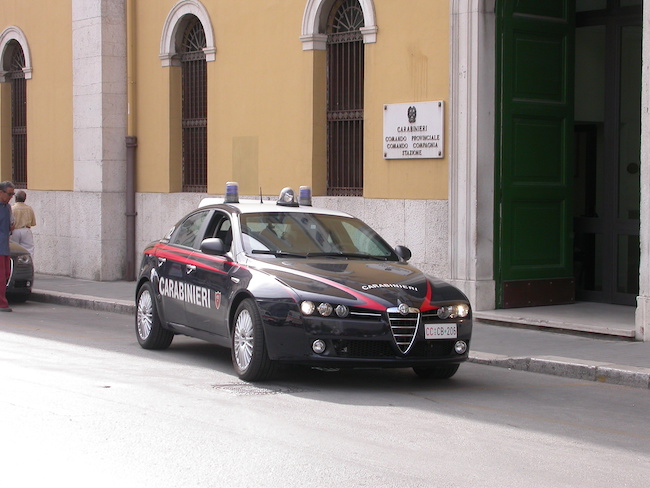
460 347
318 346
462 310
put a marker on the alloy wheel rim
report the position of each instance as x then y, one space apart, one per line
243 340
145 315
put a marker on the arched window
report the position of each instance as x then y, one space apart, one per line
345 77
194 107
14 65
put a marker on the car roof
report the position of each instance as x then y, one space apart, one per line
269 206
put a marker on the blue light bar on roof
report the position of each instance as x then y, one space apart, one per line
232 192
305 196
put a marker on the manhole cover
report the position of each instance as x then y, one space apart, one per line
247 389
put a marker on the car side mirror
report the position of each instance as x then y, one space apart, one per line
403 252
213 246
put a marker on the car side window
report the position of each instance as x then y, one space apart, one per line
188 231
220 227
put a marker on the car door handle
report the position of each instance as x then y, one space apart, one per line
189 268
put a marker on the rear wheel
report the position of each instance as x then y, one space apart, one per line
249 355
148 329
438 372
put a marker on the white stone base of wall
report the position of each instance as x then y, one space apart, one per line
642 318
91 245
421 225
79 234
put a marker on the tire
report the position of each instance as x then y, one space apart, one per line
148 329
442 372
249 355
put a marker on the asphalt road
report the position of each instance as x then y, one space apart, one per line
82 404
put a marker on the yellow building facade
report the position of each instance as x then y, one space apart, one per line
102 70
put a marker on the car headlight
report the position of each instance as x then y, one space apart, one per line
324 309
453 311
462 310
24 259
307 308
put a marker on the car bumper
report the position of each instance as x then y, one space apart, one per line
358 343
21 281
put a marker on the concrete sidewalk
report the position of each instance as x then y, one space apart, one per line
547 343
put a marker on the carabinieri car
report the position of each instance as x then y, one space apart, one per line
290 283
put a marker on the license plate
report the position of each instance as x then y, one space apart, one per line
438 331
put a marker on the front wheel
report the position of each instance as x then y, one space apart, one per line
438 372
249 355
148 329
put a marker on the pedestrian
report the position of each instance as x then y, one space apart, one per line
6 226
24 220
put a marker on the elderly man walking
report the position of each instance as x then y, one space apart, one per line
24 220
6 226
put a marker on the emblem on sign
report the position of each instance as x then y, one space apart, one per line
412 114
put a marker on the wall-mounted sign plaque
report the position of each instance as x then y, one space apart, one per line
414 130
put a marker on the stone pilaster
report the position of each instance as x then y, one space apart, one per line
471 166
643 300
99 118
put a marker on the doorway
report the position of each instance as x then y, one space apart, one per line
606 203
567 152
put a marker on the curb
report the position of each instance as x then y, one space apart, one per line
554 365
571 368
84 301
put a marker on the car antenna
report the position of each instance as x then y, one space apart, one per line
261 200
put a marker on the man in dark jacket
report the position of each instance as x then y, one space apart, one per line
6 226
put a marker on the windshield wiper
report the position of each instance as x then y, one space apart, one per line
278 253
356 255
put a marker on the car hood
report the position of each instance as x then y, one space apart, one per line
373 284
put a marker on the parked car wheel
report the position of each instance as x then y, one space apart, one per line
150 333
438 372
249 355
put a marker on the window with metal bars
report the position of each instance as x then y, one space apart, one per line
194 108
18 84
345 71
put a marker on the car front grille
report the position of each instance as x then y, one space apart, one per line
404 328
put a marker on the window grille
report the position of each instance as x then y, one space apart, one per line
345 65
194 108
18 118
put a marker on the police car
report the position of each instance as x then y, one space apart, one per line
289 283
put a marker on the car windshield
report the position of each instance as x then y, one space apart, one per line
295 234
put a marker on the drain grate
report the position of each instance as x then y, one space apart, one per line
247 389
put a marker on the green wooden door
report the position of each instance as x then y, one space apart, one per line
533 247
